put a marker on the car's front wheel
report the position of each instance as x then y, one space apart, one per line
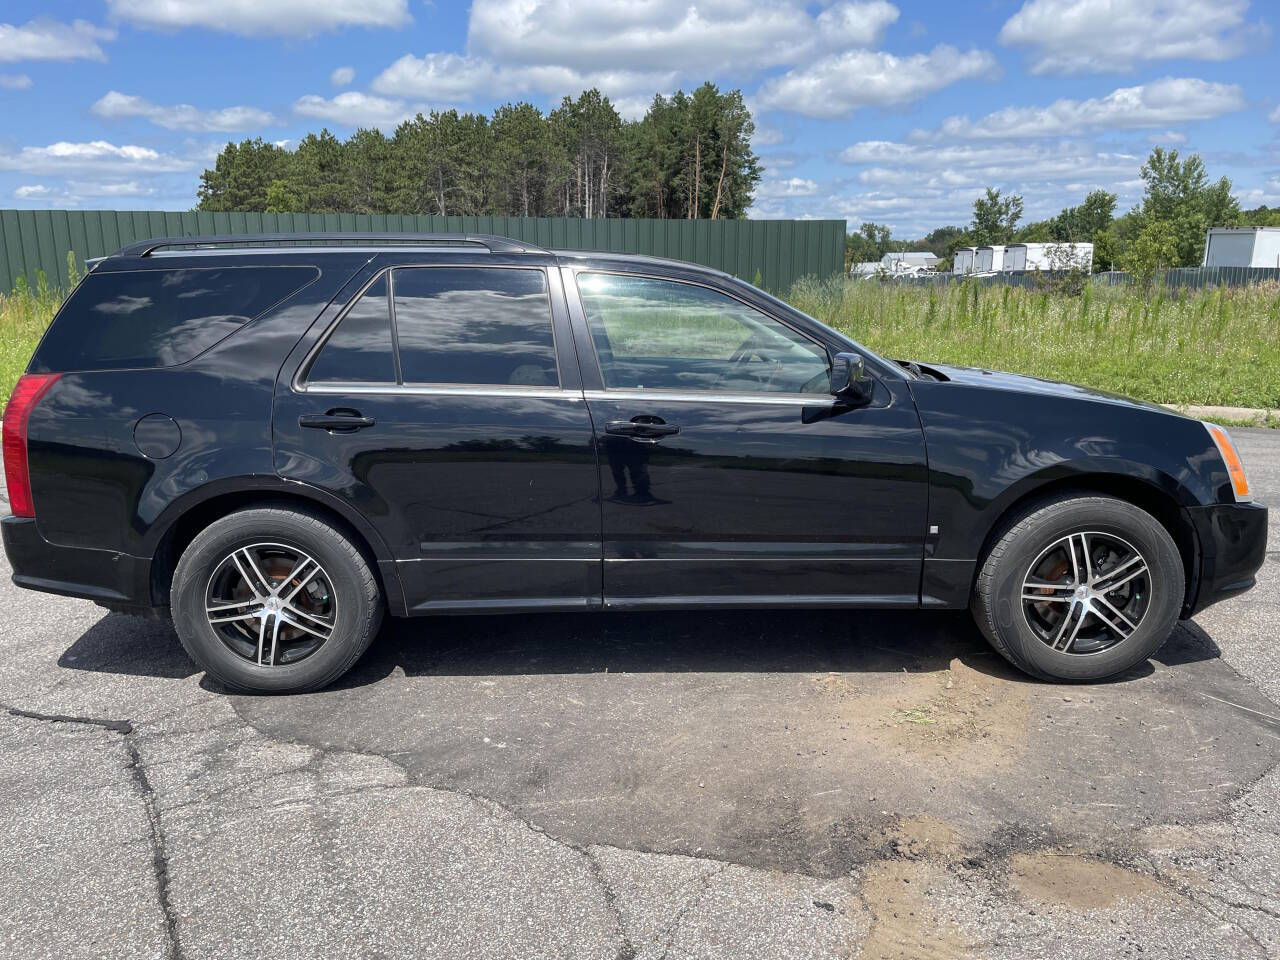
1079 588
274 600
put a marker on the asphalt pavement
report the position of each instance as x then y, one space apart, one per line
781 784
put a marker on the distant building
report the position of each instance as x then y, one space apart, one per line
910 262
963 261
867 268
1048 256
1242 247
989 259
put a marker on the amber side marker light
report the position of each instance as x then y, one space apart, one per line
1235 469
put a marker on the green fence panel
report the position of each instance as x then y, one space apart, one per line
779 251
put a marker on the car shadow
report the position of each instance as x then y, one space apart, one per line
747 641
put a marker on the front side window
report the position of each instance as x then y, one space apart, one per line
474 325
666 335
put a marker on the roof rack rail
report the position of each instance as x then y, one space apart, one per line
145 248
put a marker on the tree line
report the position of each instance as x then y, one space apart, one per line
1167 228
689 157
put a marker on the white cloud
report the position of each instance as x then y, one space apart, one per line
835 85
15 81
94 155
669 35
353 109
181 116
791 187
342 76
76 192
1072 36
256 17
1275 115
951 166
450 78
45 39
1168 136
1154 104
767 136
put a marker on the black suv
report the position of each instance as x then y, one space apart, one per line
278 439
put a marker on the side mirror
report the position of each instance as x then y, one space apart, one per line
849 380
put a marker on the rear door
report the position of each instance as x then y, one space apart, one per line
445 405
728 474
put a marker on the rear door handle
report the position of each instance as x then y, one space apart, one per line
335 420
642 428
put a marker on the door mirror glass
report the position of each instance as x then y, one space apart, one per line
849 379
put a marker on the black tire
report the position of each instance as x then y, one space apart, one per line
357 600
997 604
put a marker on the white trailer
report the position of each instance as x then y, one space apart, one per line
1048 256
962 262
866 268
989 259
1242 247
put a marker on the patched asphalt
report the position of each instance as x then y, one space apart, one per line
683 785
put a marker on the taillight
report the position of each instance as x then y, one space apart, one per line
26 394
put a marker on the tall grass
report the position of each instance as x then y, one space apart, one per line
24 315
1213 346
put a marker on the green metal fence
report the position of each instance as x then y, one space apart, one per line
779 252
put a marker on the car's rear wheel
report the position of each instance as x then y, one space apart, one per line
274 600
1079 588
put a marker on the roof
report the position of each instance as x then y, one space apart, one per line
1243 229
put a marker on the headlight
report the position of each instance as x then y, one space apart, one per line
1235 469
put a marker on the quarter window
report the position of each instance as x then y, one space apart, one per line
475 325
359 350
662 334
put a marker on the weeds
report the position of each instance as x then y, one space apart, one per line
1215 346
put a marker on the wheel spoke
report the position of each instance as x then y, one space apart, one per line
243 616
1041 591
1113 614
221 607
1084 556
301 583
299 612
275 636
259 582
302 626
1110 581
262 634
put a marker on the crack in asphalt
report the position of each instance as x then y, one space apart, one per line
138 774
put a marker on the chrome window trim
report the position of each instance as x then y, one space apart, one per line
327 387
677 394
714 396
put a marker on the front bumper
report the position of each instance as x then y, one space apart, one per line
112 579
1233 546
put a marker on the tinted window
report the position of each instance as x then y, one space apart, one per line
474 325
662 334
157 318
360 348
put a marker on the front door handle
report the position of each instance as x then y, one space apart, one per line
342 420
641 428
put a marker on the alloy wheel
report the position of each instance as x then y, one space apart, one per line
1086 592
271 604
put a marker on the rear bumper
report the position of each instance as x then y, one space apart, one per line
1233 546
114 580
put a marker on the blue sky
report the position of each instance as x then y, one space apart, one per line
868 110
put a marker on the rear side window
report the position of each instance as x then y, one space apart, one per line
359 349
158 318
474 325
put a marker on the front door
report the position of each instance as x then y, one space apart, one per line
445 407
728 475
